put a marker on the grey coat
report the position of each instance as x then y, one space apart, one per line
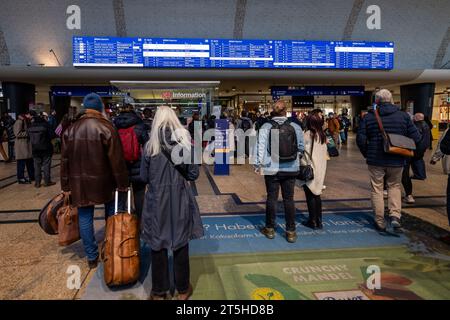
171 216
22 146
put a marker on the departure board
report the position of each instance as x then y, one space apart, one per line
230 53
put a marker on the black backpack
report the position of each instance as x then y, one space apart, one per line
38 138
246 125
288 146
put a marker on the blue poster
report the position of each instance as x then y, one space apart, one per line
221 148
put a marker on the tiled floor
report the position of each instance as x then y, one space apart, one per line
33 266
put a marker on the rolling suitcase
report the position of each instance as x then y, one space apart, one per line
120 250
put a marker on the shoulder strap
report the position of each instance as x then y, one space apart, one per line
274 123
380 123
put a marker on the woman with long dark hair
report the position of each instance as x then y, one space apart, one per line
316 155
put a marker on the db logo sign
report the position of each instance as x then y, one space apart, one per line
167 95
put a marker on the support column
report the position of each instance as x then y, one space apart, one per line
18 96
61 105
419 96
360 103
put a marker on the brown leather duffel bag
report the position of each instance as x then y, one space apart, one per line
48 220
68 229
120 250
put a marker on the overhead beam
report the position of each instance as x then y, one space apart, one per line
119 17
4 52
239 19
352 18
442 51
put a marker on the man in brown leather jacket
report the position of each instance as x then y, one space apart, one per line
92 167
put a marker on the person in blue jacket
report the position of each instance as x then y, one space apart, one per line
279 172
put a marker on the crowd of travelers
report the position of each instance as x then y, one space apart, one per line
100 155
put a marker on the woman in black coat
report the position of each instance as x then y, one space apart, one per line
171 217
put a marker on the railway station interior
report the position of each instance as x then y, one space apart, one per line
402 46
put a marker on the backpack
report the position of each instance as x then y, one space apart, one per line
288 146
246 125
130 144
38 138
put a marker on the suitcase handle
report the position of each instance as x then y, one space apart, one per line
102 251
135 253
116 201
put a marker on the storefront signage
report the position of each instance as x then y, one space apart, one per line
279 91
81 91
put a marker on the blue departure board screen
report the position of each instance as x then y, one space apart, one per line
230 53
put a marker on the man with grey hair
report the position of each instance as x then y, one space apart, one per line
385 166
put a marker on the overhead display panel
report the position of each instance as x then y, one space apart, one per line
230 53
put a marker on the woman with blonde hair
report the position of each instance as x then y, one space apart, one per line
171 217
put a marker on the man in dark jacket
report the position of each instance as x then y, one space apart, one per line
127 119
92 167
385 166
41 135
417 164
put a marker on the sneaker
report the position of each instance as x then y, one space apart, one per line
268 232
51 183
93 263
395 222
291 236
409 199
379 227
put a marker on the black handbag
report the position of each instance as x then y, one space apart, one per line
306 172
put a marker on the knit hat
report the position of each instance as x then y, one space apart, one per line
93 101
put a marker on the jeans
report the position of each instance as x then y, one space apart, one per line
160 270
418 168
393 176
42 163
87 233
406 178
448 199
21 164
287 183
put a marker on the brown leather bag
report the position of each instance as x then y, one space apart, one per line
120 250
395 143
68 229
48 220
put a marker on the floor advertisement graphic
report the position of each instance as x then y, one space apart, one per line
234 261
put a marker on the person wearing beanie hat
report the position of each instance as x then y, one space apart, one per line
92 168
94 102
